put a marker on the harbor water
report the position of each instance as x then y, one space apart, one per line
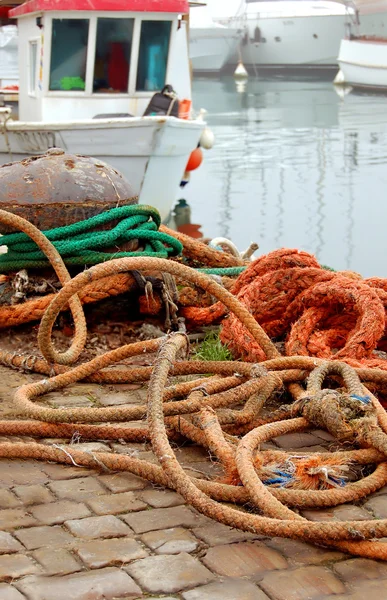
295 166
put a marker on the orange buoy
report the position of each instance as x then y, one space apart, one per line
195 160
191 229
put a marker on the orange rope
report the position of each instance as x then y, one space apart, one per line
315 312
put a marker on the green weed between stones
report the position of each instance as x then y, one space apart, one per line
212 348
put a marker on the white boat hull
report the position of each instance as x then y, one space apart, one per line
288 33
151 152
363 63
293 33
297 41
211 48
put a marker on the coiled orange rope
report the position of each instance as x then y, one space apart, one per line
318 313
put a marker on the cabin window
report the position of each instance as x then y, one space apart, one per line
112 55
33 58
153 55
69 54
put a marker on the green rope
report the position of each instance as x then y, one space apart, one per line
223 271
235 271
326 268
80 244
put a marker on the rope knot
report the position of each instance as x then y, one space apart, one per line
340 413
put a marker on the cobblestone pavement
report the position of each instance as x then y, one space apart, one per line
68 533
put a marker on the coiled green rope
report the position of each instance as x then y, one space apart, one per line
80 243
224 271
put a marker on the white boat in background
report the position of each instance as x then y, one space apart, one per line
211 45
8 36
9 71
363 63
291 33
88 72
372 17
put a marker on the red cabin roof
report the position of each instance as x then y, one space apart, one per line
167 6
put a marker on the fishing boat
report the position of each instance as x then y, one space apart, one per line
89 70
363 63
211 45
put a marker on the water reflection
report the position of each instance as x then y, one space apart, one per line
295 165
321 170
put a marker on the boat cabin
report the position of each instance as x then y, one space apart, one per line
82 58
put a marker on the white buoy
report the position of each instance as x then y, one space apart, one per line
207 139
240 72
342 88
339 79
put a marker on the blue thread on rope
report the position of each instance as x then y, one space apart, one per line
363 399
337 480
